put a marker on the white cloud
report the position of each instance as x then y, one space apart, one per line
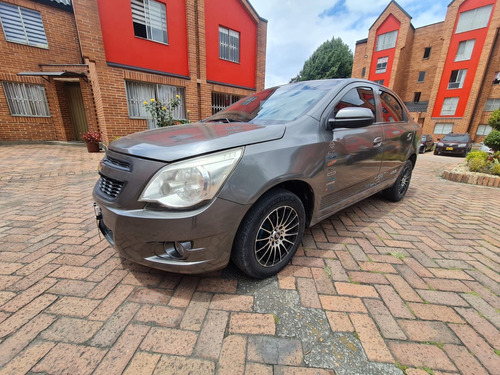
296 29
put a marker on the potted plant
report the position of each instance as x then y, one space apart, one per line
92 139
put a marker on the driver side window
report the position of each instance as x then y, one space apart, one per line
357 97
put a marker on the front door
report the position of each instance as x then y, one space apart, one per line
76 109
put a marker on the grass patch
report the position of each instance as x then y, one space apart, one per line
276 319
355 334
397 254
428 370
440 345
328 271
401 367
472 294
497 352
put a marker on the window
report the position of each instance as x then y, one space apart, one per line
464 51
457 79
443 128
416 97
449 106
221 101
496 80
139 92
483 130
150 20
229 44
382 65
357 97
421 77
491 105
26 100
427 52
387 40
363 72
379 81
21 25
392 111
474 19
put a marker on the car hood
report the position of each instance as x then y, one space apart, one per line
183 141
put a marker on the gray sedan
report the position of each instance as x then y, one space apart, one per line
244 183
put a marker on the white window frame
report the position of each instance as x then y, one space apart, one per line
484 130
496 80
140 92
23 26
229 45
464 50
379 81
492 104
382 65
387 40
449 106
152 15
458 81
443 128
474 19
26 100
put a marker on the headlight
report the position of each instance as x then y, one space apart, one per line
440 144
187 183
462 145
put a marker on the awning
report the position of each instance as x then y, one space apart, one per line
63 74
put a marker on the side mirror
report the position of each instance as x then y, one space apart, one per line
351 117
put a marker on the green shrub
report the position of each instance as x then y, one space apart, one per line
493 140
494 120
477 165
476 155
496 169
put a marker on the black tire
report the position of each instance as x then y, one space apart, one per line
397 191
436 152
421 150
269 234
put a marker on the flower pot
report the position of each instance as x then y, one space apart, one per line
92 147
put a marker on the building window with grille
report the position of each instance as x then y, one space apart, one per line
150 20
449 106
464 51
492 105
496 80
382 65
457 79
22 25
484 130
474 19
443 128
229 45
140 92
386 41
427 52
379 81
221 101
421 77
26 100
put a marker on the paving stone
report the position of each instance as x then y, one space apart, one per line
384 319
232 356
435 312
142 364
372 342
421 355
428 331
71 330
394 302
274 350
209 342
252 324
169 341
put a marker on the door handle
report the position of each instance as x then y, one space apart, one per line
377 142
409 136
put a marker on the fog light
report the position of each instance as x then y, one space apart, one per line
179 250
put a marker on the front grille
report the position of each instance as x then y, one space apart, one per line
110 187
116 163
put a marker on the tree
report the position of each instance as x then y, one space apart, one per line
333 59
494 120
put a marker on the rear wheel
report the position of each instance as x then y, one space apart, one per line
269 234
397 191
422 150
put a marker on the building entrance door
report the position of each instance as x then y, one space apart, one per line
76 109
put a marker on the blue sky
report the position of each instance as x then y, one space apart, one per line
296 28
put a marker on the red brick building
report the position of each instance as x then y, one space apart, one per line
68 66
448 73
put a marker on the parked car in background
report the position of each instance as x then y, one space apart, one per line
483 147
244 183
426 143
454 144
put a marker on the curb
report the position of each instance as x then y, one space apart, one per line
472 178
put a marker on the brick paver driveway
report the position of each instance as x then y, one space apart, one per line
380 288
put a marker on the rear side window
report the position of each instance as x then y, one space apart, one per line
357 97
392 111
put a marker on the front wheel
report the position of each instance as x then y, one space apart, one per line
397 191
269 234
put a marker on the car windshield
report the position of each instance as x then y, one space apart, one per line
275 105
456 138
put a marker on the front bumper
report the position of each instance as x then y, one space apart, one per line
451 150
151 237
